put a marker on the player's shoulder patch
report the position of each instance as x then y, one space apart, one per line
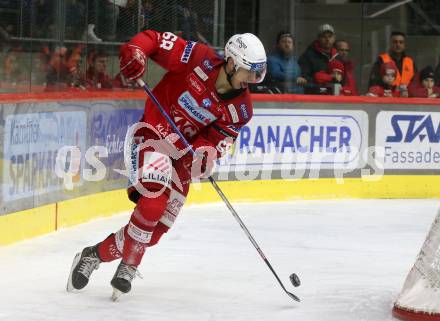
233 113
244 111
187 51
244 107
202 75
207 65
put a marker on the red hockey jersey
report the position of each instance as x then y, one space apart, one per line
188 94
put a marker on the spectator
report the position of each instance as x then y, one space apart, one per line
41 14
4 35
188 22
283 68
437 74
56 70
427 88
75 78
64 70
39 69
96 75
103 14
128 21
406 68
134 17
15 70
9 22
386 87
343 49
331 81
206 22
148 13
75 16
317 56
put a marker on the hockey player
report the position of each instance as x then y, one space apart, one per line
208 99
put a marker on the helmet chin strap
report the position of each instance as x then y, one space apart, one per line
229 76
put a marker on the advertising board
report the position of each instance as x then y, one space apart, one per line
408 139
311 139
30 146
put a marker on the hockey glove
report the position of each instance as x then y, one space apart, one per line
202 163
132 61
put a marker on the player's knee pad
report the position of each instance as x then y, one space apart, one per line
148 211
173 207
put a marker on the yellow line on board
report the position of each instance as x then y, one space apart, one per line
82 209
27 224
323 188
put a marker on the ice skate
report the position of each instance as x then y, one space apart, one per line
82 267
121 281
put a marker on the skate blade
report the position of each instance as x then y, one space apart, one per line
69 286
116 294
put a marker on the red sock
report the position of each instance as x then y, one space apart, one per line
139 231
111 248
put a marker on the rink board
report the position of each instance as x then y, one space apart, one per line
295 147
41 220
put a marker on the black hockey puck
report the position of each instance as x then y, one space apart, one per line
295 280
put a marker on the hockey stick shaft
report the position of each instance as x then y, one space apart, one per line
216 187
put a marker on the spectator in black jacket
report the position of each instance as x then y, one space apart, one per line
317 56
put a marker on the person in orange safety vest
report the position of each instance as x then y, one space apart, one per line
405 64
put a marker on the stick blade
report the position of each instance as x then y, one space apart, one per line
293 296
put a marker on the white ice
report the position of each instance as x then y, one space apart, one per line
352 258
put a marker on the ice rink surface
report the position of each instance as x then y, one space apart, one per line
352 258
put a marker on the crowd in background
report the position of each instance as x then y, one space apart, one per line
87 58
324 68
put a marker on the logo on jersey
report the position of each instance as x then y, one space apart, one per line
214 96
233 113
207 102
162 130
200 114
157 168
187 52
195 84
201 73
244 111
208 65
187 128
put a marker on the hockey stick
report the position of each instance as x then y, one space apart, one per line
293 277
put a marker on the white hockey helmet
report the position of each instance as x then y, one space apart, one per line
248 53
